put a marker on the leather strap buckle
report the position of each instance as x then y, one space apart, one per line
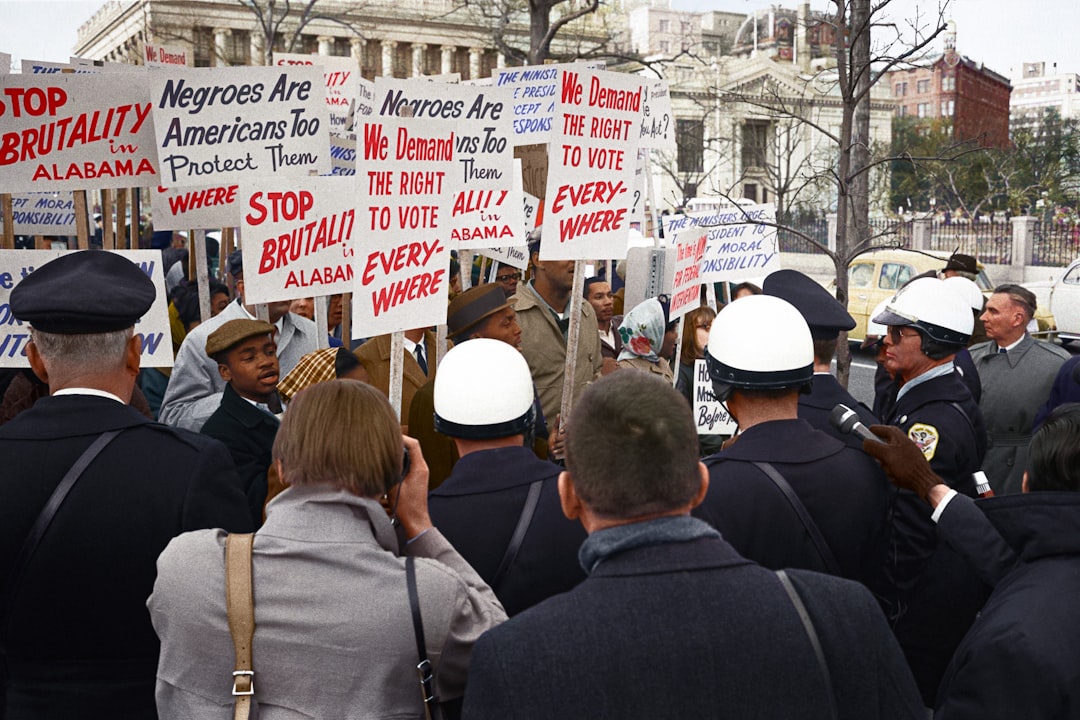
249 675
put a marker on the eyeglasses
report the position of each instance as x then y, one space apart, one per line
513 277
896 334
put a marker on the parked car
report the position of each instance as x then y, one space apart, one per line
874 277
1062 298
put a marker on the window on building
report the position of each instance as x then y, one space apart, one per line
204 47
901 89
238 48
749 191
755 144
665 46
923 86
902 111
342 47
947 108
923 110
948 83
690 143
665 26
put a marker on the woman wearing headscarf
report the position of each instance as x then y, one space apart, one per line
648 339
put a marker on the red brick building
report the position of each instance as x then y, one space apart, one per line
971 95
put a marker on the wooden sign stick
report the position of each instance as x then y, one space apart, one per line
8 240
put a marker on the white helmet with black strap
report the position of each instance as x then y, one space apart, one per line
483 391
759 343
932 307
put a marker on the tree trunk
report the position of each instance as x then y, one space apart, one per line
539 24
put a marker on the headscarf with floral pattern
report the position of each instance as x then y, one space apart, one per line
642 331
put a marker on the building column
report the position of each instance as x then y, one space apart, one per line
475 56
221 46
388 49
326 45
448 59
418 59
257 46
356 49
500 61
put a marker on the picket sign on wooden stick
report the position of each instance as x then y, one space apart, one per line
121 218
440 345
573 336
202 273
133 229
465 259
483 270
654 217
106 221
82 224
346 320
397 368
8 240
322 333
710 295
494 271
678 352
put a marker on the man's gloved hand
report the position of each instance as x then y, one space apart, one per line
902 460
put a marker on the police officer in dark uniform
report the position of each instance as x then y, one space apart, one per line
928 322
783 493
73 622
826 318
500 506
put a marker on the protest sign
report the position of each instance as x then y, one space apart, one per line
710 415
739 247
637 207
402 265
686 286
153 331
65 132
517 255
342 154
341 75
298 237
232 123
535 89
43 213
657 123
163 55
591 165
43 67
484 213
5 63
365 101
205 206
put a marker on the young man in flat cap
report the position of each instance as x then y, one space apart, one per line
73 621
195 386
246 355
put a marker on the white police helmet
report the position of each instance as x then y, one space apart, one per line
932 307
483 390
760 342
967 290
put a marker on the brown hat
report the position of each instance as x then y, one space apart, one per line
962 263
469 308
234 332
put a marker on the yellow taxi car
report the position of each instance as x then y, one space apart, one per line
874 277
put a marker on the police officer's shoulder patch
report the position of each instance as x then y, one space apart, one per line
926 437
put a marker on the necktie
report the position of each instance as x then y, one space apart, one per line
1002 351
420 358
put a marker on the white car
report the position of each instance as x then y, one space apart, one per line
1062 298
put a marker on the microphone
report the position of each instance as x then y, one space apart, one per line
846 421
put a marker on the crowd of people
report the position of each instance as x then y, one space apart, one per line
259 530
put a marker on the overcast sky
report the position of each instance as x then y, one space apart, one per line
1000 33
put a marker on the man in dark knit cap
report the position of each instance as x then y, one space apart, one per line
93 492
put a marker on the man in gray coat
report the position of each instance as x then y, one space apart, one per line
671 621
1017 373
195 386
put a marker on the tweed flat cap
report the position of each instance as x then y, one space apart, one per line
234 332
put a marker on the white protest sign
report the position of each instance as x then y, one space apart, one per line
657 123
152 330
43 213
343 154
591 165
403 260
340 74
162 55
637 209
534 91
686 287
67 132
483 212
365 101
5 63
97 66
517 255
710 416
231 123
43 67
298 237
738 247
191 208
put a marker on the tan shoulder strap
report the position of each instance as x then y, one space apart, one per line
240 605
